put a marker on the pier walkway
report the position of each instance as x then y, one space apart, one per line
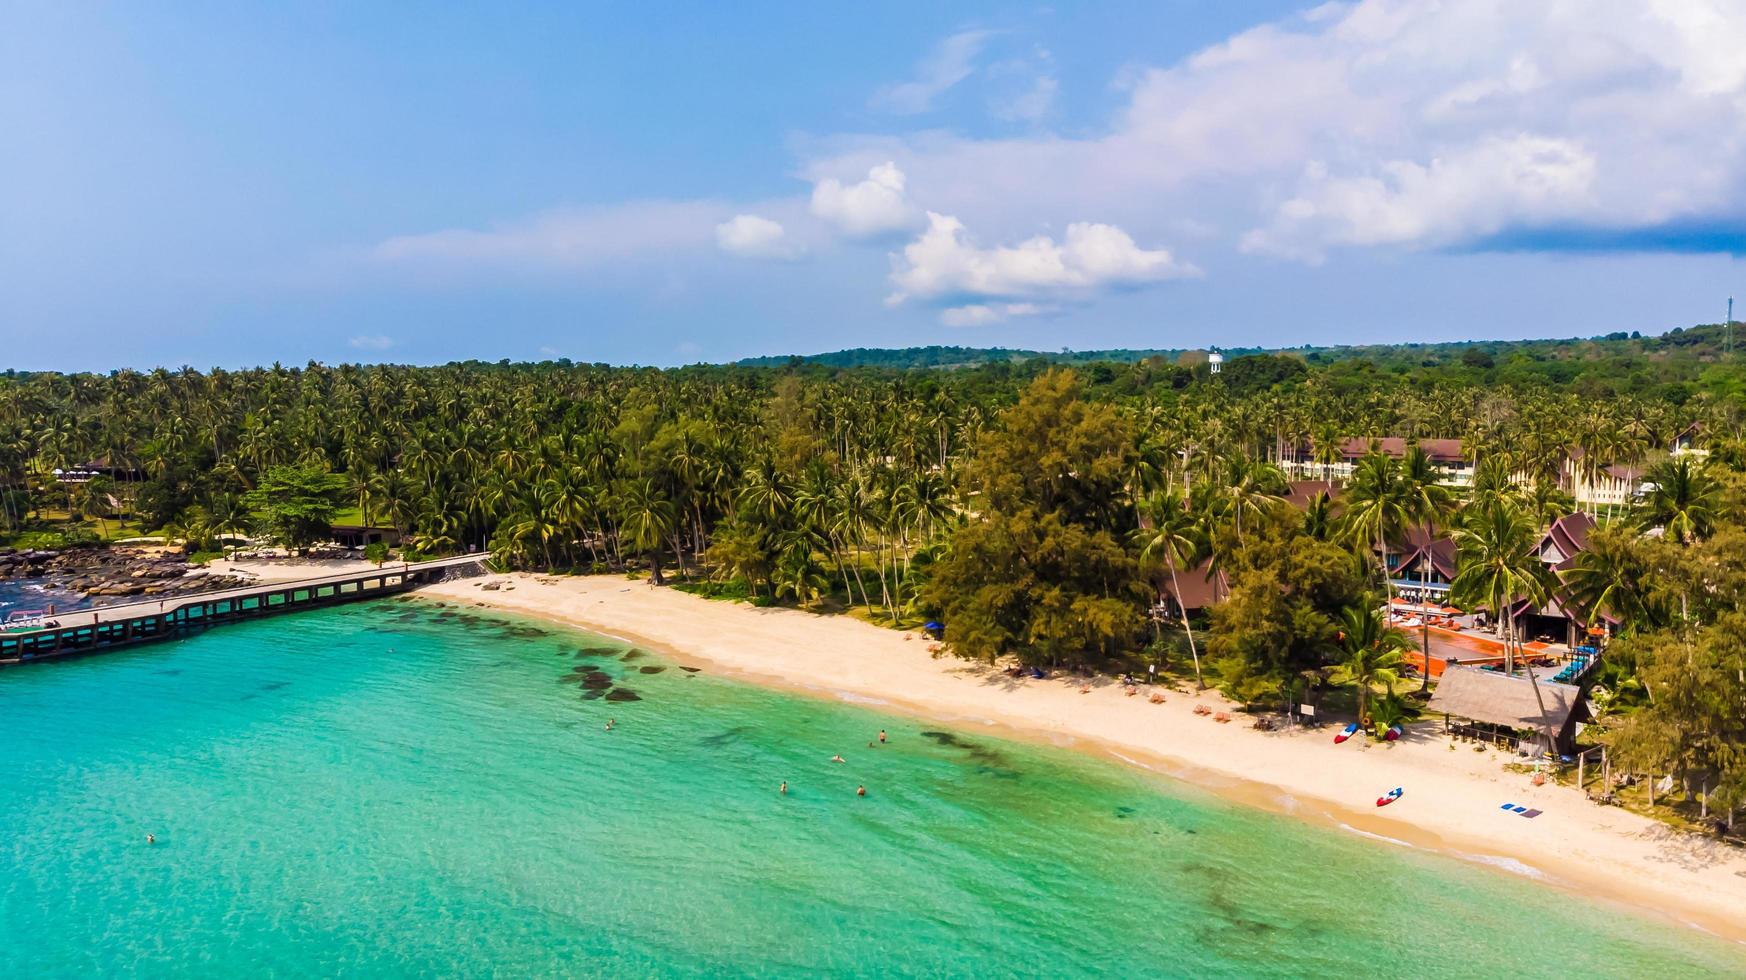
124 624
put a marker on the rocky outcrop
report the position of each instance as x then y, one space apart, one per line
113 573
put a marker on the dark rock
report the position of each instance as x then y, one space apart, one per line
622 694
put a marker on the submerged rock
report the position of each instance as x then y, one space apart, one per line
623 694
596 680
651 669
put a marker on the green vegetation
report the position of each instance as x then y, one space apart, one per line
295 504
1042 513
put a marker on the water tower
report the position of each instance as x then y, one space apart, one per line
1215 361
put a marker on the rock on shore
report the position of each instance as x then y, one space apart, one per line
113 572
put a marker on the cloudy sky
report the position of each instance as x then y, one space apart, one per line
228 184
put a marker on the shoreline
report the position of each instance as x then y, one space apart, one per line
1453 800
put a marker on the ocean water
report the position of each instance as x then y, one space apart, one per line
36 594
396 789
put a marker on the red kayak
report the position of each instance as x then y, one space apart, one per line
1345 733
1390 796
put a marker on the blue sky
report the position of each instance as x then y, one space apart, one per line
229 184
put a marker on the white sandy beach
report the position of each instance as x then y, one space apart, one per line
1452 800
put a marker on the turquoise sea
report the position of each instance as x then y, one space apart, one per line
398 789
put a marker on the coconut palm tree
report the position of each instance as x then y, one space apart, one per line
1424 501
1175 536
1498 566
1376 509
1371 651
1684 499
1610 578
647 518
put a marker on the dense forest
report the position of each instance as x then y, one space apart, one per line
1700 342
1040 512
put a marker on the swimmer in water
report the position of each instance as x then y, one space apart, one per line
881 736
860 791
609 724
151 838
785 787
838 758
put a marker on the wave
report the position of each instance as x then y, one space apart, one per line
1509 864
1385 839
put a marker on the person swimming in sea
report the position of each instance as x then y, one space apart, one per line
838 758
785 787
881 736
609 724
860 791
151 838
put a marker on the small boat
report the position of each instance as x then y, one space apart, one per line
1393 734
1346 733
1389 797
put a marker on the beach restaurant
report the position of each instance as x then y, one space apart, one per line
1496 707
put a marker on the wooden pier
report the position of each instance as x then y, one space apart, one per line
107 627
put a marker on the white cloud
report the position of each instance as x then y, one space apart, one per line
945 263
874 206
1434 124
752 236
1474 193
372 342
566 238
950 62
1033 103
982 314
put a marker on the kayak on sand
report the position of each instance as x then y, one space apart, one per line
1389 797
1346 733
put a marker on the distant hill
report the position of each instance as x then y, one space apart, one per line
1697 342
907 358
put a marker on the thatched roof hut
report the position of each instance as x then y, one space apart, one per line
1493 698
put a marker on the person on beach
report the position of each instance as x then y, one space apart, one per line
838 758
860 791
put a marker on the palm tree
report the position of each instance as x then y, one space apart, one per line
1610 578
1376 508
1684 499
1424 499
1498 566
1251 488
1175 536
1326 447
648 517
1372 652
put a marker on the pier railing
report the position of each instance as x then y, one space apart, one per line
123 624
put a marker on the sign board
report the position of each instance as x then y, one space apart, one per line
1307 710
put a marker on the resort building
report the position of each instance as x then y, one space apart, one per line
1455 468
1615 485
1202 588
1558 620
1423 563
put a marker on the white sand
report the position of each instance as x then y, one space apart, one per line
1452 800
